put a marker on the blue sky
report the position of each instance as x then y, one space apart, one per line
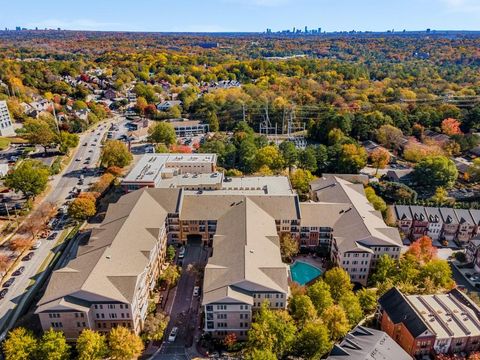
241 15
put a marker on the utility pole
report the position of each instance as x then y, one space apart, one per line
55 117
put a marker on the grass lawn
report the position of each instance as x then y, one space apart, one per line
4 143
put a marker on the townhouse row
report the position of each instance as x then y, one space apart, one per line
438 223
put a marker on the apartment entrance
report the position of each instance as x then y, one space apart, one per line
194 240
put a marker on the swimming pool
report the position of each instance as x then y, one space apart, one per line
304 273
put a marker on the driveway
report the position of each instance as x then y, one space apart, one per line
183 307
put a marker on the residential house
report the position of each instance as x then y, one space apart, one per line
167 105
450 223
426 324
366 343
435 224
404 218
466 225
398 175
471 251
419 223
476 220
109 94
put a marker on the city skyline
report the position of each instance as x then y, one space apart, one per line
243 16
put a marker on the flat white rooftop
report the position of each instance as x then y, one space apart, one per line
150 166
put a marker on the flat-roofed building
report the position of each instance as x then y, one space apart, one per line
422 324
6 126
185 127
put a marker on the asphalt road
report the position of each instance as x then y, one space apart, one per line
61 186
183 308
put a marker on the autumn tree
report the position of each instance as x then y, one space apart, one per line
115 153
336 322
82 208
53 346
288 246
389 136
30 178
270 157
301 180
171 275
367 299
423 250
272 330
20 244
302 310
67 141
40 132
313 340
155 326
380 158
319 293
339 282
162 132
350 303
91 345
124 344
451 127
20 344
352 158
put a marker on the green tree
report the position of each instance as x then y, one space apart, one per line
307 159
79 105
434 171
389 136
162 132
386 268
39 132
350 303
30 178
91 345
439 272
288 246
289 153
367 299
339 282
155 325
115 153
170 253
260 354
313 341
301 308
53 346
82 208
20 345
320 295
272 330
301 180
474 170
67 141
336 321
124 344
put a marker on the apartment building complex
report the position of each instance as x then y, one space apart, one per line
353 230
111 278
6 126
438 223
431 324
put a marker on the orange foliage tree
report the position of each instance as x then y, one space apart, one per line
423 250
451 126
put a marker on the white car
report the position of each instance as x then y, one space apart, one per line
196 291
37 244
181 253
173 334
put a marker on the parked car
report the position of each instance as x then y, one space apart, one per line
36 245
29 256
196 291
19 271
173 334
52 236
181 253
9 282
3 293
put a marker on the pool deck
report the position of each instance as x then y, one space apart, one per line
310 260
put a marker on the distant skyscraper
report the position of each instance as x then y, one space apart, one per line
306 29
6 127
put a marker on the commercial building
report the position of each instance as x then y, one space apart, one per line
6 126
431 324
185 127
366 343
